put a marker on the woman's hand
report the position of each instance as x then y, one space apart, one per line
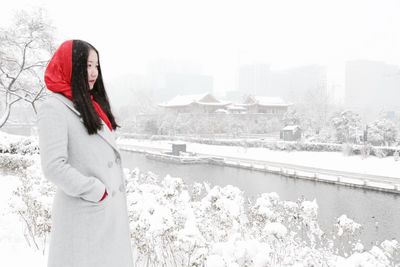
104 196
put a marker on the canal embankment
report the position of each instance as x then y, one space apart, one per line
327 167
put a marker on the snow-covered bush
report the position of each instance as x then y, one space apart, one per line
221 213
347 125
16 144
293 223
216 227
173 224
14 162
382 132
380 152
12 151
387 254
31 200
346 239
391 249
163 226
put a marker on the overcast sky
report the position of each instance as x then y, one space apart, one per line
220 35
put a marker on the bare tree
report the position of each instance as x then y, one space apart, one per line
25 49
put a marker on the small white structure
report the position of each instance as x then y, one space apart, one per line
290 133
178 147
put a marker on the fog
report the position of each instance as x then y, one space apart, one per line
220 37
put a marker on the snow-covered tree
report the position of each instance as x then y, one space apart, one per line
140 102
291 117
382 132
347 125
25 48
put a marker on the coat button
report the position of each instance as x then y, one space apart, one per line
121 188
110 164
118 160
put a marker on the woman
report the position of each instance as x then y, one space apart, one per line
90 226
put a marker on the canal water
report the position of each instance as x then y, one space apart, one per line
378 212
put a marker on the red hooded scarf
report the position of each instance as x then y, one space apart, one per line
58 77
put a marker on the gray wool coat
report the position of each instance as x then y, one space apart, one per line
85 232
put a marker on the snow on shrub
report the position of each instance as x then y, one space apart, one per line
174 225
298 217
373 258
163 225
16 144
217 228
221 213
31 201
13 149
391 249
32 198
346 225
348 232
14 162
380 152
266 208
277 230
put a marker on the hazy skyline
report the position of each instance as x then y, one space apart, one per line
221 35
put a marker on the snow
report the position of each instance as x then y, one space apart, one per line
276 229
14 250
322 160
310 208
185 100
151 206
268 101
346 224
291 128
209 223
236 108
222 111
5 138
374 258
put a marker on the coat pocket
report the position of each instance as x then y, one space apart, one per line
95 204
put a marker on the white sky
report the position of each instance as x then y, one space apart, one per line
220 35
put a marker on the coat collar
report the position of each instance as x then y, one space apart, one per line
104 132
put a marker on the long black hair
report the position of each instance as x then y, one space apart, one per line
81 92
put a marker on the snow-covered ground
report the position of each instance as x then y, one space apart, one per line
14 250
324 160
168 205
203 224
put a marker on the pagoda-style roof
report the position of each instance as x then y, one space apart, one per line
187 100
265 101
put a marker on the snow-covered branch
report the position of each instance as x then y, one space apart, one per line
24 52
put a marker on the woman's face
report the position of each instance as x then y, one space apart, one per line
92 68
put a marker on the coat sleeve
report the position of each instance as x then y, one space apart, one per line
53 144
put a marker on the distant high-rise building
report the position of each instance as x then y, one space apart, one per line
255 79
168 79
295 84
291 84
372 85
